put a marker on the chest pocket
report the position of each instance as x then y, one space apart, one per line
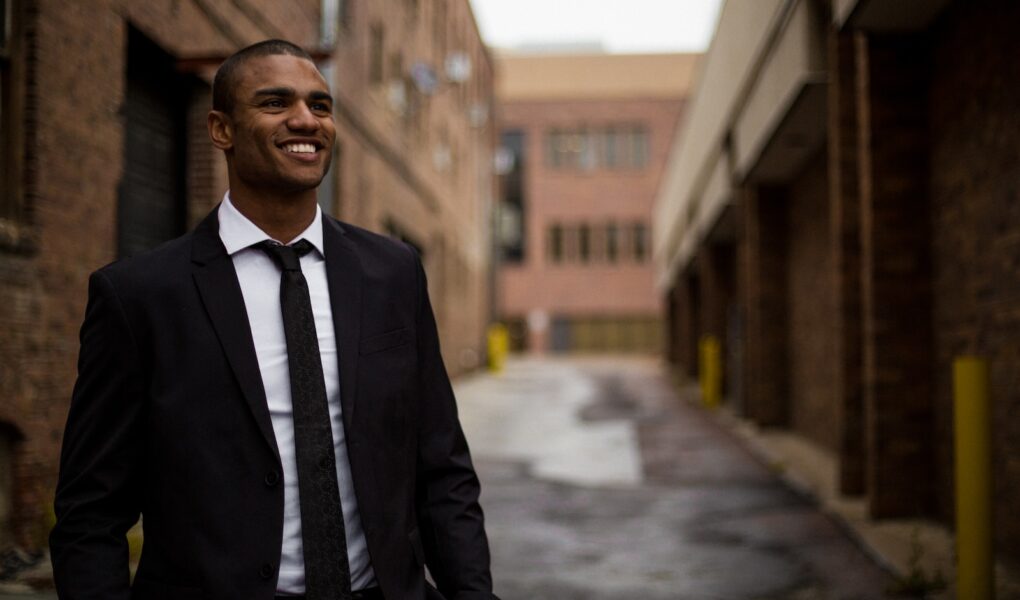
384 341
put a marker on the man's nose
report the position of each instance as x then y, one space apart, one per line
301 118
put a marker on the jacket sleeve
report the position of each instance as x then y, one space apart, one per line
97 498
450 518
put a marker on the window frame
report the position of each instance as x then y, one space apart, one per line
12 210
582 147
584 243
640 242
612 242
557 239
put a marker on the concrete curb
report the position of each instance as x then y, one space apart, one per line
811 472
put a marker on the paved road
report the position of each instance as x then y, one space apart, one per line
600 484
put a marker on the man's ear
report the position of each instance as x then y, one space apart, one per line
221 129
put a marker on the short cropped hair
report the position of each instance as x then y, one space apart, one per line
226 76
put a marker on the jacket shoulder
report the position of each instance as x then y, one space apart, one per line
160 264
375 247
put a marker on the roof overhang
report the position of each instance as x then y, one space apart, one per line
886 15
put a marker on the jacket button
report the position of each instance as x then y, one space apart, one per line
272 478
266 571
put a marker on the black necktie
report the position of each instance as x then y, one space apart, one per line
327 571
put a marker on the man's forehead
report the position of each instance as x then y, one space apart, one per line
280 70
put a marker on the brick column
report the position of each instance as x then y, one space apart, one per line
845 236
673 325
763 266
892 83
687 323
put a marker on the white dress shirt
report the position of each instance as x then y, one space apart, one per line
260 285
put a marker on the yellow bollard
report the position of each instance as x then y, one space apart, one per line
499 346
973 444
710 371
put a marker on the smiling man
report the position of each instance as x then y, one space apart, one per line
267 392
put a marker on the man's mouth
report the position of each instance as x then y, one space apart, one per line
300 148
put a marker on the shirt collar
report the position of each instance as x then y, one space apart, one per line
238 232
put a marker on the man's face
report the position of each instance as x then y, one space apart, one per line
283 128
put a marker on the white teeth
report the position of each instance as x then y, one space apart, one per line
300 148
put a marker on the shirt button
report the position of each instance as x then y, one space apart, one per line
266 571
272 478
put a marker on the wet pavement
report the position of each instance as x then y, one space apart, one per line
599 483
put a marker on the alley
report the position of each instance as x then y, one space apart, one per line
600 483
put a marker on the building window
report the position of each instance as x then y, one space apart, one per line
638 138
612 242
607 147
375 55
584 243
439 29
556 243
345 13
10 195
5 24
612 154
640 241
398 87
328 190
411 6
512 213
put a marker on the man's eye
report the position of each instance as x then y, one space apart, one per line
321 106
273 103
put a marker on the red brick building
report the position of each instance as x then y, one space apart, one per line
416 138
842 212
586 138
104 153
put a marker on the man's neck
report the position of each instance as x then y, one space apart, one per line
283 217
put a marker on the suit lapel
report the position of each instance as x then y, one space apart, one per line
344 274
221 294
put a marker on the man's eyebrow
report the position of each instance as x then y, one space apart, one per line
287 92
276 91
319 95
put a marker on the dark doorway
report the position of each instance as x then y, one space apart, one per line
152 204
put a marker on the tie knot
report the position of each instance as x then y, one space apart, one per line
286 257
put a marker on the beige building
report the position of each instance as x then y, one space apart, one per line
839 210
585 139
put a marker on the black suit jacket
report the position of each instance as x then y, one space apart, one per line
169 420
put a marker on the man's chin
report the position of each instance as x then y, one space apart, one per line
284 181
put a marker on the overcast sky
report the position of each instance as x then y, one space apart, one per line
618 25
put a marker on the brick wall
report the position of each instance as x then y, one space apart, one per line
892 78
975 195
388 177
74 65
716 271
71 68
687 329
810 308
844 237
763 285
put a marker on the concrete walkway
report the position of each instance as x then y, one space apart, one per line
599 484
